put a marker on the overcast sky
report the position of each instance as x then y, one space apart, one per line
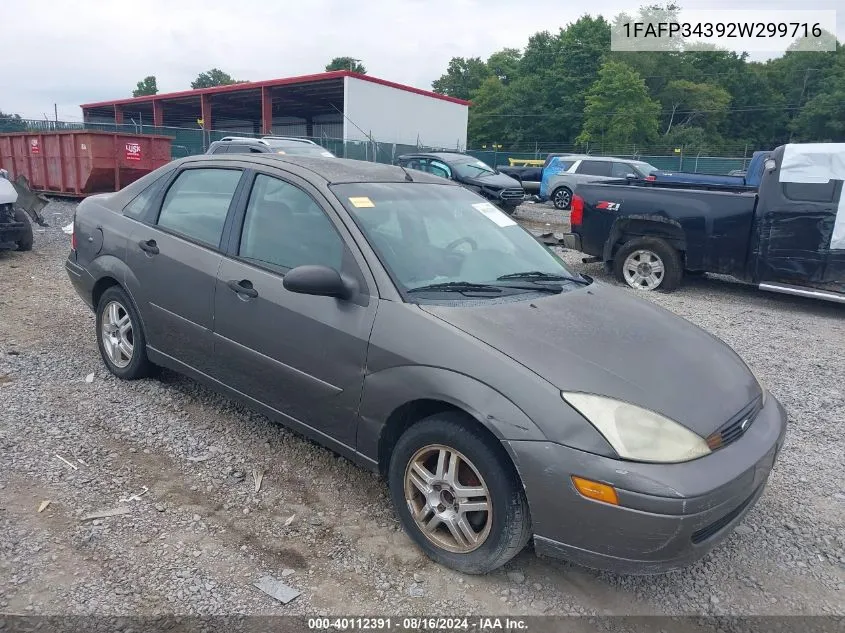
94 50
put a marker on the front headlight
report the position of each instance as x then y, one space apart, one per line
638 434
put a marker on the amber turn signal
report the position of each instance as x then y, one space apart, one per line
595 490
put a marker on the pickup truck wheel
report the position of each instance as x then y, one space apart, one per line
648 263
562 198
27 239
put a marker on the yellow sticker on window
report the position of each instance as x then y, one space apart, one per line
361 202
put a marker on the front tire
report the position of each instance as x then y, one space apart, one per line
648 263
120 336
27 239
457 495
562 198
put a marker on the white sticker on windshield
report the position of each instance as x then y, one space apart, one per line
494 214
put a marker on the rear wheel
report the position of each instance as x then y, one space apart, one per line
27 238
457 496
562 198
648 263
120 336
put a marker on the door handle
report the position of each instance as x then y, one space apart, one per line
148 246
243 287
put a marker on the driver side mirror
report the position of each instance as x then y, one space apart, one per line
321 281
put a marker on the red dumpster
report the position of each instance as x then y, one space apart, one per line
81 163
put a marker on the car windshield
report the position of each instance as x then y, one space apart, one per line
428 234
471 168
301 149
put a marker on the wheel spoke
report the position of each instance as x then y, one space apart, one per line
451 474
441 464
466 530
657 266
433 523
423 513
124 325
423 473
114 314
419 483
109 346
125 349
457 533
474 506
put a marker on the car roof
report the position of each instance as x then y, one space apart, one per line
332 170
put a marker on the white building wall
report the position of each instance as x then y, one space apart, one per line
392 115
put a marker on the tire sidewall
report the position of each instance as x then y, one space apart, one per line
673 270
442 429
554 198
138 367
28 239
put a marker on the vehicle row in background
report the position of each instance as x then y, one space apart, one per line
476 175
788 237
564 173
268 145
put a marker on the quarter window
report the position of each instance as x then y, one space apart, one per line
197 203
810 191
284 228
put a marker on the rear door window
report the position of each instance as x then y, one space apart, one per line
621 170
595 167
810 191
197 203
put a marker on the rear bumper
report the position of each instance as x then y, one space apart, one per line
668 516
82 282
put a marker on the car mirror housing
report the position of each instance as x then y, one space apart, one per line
319 280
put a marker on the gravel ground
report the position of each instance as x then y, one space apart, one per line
200 536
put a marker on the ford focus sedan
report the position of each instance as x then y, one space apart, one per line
409 325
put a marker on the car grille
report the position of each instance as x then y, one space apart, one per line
706 532
736 427
512 194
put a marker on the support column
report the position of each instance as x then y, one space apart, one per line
158 113
205 108
309 127
266 111
118 115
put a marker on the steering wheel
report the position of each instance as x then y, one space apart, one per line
454 244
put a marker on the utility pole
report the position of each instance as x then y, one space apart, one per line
56 112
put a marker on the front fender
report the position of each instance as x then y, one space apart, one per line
385 391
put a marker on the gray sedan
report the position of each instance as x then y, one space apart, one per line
411 326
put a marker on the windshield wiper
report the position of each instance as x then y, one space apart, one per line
456 286
538 275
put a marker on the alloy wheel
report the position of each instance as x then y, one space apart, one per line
448 499
118 341
643 270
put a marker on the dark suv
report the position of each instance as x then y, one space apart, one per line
503 191
268 145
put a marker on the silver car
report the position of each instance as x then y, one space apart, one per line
565 173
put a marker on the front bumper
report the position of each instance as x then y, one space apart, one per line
669 515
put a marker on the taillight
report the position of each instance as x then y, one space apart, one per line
576 217
651 178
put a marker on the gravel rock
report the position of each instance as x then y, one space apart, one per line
516 576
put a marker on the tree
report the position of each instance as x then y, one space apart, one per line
687 103
213 77
619 109
346 63
504 64
11 122
462 78
146 87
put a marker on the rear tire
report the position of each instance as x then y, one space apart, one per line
648 263
562 198
27 239
120 336
469 541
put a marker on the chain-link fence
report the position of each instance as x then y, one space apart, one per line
191 141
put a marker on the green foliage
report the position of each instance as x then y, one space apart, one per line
619 110
145 87
346 63
560 88
11 122
214 77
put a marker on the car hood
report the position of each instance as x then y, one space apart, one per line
605 341
494 181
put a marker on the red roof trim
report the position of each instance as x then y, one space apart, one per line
271 83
